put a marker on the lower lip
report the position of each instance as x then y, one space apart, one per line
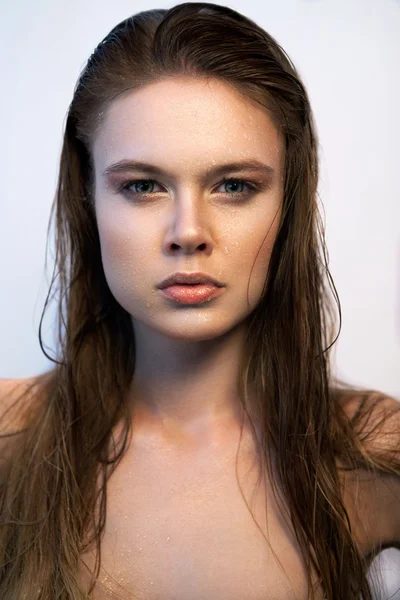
192 294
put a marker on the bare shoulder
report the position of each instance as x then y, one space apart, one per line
375 403
11 387
15 398
373 500
10 391
18 398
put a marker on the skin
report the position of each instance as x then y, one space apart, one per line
187 356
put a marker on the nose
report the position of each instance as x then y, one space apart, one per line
189 231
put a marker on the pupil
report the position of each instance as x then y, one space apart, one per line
143 183
234 183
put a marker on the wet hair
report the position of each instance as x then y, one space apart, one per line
52 508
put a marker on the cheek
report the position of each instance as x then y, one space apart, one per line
123 254
253 249
266 241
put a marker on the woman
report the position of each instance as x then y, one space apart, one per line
190 441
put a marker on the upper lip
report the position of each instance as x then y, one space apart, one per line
188 278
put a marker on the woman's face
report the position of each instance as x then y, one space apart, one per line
187 218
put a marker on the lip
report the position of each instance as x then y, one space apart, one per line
189 278
183 293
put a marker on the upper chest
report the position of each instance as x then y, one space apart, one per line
199 525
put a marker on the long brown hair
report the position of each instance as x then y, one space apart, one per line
49 491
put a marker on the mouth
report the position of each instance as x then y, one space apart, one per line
189 279
192 293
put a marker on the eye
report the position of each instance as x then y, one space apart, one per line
139 183
240 183
141 188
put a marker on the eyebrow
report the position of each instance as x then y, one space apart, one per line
128 165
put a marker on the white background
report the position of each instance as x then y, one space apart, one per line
347 53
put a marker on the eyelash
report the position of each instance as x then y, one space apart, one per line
253 188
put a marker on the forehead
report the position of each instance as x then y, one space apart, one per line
187 120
